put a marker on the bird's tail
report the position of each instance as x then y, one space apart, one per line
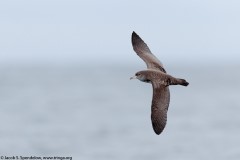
183 82
178 81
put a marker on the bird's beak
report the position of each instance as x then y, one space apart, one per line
134 77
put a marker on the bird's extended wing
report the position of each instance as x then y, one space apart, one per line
160 103
142 50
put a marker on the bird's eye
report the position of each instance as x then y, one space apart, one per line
137 74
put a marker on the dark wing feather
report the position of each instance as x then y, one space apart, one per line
160 103
142 50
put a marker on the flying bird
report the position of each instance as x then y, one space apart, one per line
160 80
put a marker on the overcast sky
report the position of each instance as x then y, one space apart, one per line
98 31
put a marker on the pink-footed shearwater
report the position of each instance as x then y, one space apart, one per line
160 80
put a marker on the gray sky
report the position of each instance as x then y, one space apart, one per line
83 31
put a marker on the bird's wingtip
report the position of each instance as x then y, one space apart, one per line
134 34
135 38
157 131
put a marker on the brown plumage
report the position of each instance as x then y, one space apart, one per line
160 80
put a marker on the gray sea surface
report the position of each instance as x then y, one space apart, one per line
92 113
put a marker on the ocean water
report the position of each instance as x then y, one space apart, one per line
91 113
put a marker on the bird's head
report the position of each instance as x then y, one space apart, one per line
142 76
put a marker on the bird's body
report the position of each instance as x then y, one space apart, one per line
160 80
